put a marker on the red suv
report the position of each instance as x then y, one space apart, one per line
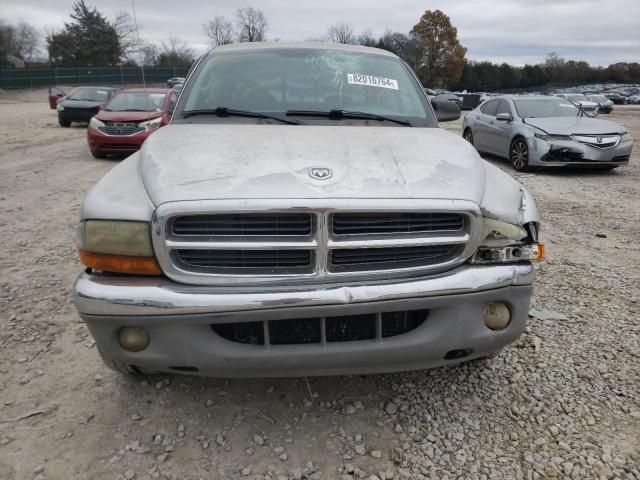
128 119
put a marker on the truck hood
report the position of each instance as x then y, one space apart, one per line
213 161
107 116
88 104
574 125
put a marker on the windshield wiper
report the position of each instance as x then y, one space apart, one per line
230 112
340 114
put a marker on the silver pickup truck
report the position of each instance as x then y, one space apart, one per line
303 214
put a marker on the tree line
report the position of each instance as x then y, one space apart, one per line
431 48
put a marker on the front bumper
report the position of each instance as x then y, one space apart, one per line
79 115
179 318
103 143
545 153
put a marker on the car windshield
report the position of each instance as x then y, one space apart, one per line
576 97
281 80
89 94
136 102
598 98
545 107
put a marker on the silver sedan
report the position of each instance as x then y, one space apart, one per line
545 131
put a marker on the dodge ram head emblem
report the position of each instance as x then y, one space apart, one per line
320 173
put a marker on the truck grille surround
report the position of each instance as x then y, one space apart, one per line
205 243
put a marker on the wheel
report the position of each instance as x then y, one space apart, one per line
63 123
519 155
468 136
97 154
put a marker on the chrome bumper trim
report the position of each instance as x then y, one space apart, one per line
135 296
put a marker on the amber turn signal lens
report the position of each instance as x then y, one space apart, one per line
539 255
120 263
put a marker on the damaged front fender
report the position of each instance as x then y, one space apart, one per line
507 200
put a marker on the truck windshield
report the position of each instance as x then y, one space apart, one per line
281 80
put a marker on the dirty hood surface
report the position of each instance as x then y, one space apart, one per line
575 125
213 161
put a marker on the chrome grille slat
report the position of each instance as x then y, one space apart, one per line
354 223
342 258
244 258
243 224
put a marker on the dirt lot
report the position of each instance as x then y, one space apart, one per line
563 402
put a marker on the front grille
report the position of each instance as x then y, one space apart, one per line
117 128
209 243
244 259
346 328
599 141
244 224
364 223
390 257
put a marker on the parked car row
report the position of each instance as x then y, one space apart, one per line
119 120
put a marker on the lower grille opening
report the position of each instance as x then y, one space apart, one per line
344 328
457 354
184 369
292 332
351 328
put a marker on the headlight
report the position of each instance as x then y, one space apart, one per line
509 254
150 124
95 123
625 137
550 138
117 246
59 108
495 232
506 243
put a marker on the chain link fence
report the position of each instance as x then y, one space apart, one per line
52 76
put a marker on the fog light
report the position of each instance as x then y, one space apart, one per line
496 316
133 339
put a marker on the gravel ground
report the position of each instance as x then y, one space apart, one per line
562 402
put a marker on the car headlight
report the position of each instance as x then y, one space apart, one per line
506 243
150 124
550 138
625 137
59 108
117 246
95 123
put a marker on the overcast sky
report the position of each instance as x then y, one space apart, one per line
515 31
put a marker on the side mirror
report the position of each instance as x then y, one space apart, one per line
446 110
504 117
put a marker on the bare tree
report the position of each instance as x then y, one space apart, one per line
175 52
125 28
252 24
367 39
219 30
149 54
341 33
26 41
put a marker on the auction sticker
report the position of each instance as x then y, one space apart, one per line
372 81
